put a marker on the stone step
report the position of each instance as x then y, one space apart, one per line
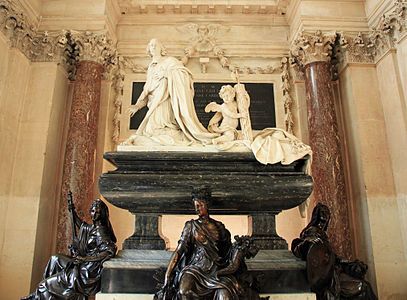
106 296
133 271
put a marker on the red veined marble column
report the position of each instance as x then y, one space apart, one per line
313 53
80 153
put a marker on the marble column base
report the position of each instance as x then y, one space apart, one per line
301 296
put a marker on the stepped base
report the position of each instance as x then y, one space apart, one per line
133 271
302 296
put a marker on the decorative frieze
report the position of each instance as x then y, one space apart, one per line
312 47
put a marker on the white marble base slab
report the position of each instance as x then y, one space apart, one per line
302 296
197 148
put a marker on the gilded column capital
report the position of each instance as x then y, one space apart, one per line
312 47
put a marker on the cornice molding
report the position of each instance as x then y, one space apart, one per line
32 14
36 46
235 8
63 47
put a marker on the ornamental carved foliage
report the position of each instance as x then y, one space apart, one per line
394 22
92 46
37 46
355 48
287 99
14 24
368 47
203 39
311 47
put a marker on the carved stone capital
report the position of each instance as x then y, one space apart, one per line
371 46
90 46
355 48
48 46
394 22
36 46
312 47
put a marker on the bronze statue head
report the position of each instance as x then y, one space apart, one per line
201 198
100 212
320 217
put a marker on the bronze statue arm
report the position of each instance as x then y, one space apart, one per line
77 220
233 266
71 208
98 257
173 262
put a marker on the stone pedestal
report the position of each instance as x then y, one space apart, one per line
149 184
133 272
145 234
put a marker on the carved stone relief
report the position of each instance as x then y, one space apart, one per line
369 47
64 47
311 47
394 22
36 46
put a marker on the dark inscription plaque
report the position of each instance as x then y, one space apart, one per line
262 110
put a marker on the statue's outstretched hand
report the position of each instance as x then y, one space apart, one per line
132 110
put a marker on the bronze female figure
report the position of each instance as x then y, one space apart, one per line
78 276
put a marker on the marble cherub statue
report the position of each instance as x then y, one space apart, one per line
226 118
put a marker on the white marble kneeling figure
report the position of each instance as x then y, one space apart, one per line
168 93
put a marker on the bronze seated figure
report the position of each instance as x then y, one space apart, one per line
330 276
78 276
205 264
